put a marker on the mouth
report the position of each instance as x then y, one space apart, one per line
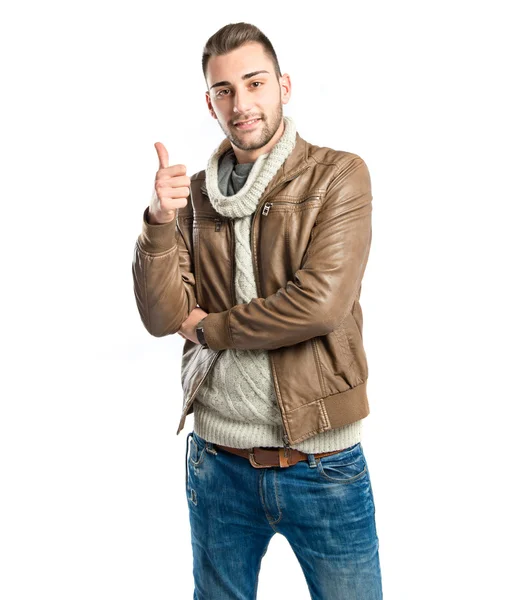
244 125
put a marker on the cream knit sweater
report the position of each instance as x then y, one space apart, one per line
236 405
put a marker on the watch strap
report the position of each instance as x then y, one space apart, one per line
200 333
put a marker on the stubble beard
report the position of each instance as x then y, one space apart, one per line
265 135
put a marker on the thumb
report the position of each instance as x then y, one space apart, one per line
163 155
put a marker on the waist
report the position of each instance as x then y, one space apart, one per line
261 457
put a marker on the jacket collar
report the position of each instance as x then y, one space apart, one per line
296 161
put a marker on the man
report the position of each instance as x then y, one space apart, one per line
257 262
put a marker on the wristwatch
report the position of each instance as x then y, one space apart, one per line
200 333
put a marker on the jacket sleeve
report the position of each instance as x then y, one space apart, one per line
323 290
164 283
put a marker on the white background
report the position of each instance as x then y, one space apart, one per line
92 497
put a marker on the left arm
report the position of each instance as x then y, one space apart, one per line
323 289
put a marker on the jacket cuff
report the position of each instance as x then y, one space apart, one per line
155 239
216 330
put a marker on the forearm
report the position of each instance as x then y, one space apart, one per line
279 320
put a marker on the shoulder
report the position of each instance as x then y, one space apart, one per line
338 167
344 173
325 156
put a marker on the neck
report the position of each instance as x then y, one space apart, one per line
249 156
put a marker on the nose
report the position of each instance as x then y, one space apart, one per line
242 104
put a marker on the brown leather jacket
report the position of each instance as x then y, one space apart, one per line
310 240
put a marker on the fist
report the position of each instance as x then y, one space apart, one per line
172 188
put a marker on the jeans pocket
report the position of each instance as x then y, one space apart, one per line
197 450
344 467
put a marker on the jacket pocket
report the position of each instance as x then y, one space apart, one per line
356 351
292 204
342 357
336 362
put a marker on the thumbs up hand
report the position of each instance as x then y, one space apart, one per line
172 188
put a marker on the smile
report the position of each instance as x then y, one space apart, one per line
247 124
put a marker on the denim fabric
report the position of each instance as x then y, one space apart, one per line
324 507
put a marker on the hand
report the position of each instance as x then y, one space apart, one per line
172 188
187 329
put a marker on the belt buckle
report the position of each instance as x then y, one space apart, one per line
284 455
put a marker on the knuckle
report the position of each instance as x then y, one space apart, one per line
162 182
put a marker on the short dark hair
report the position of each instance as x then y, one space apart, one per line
233 36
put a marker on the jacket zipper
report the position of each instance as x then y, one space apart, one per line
286 442
265 211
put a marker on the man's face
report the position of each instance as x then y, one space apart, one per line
243 86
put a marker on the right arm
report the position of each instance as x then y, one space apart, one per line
164 283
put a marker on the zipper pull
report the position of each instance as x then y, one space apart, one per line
267 207
286 444
217 226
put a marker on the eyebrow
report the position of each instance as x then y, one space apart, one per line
247 76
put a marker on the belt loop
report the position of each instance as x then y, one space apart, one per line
284 457
311 460
210 448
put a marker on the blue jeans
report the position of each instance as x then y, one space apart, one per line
324 507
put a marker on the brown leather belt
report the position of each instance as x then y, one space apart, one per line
272 457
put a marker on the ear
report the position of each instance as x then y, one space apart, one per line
210 106
286 88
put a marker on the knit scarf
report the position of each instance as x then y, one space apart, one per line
265 167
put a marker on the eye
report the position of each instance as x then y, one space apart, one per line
259 83
221 92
